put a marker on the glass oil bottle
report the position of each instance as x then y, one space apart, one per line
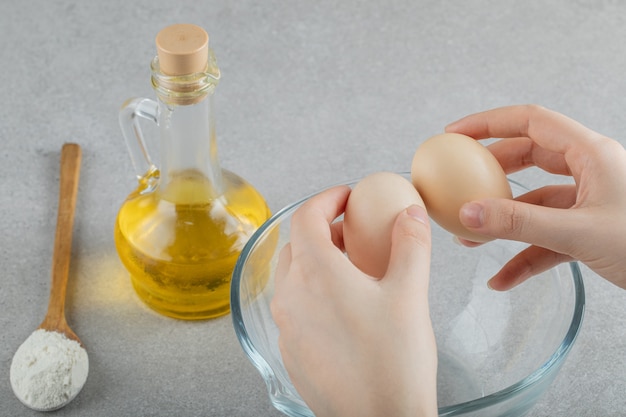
180 232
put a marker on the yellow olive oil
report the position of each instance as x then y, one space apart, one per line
181 240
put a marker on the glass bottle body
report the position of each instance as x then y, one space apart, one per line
181 250
179 234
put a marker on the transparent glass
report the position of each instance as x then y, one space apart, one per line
498 351
180 232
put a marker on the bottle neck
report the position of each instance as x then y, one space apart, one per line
190 171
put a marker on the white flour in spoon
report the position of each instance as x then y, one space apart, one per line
48 370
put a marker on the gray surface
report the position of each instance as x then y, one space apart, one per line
312 93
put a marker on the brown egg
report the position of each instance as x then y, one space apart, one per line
371 211
450 170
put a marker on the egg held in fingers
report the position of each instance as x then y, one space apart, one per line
371 211
449 170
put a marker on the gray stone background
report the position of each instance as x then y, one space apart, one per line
312 93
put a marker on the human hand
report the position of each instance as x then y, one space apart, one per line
354 345
585 221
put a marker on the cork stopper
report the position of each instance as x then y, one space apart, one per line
182 49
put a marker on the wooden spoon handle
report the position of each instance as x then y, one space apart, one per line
70 171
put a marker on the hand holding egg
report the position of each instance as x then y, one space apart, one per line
447 171
371 211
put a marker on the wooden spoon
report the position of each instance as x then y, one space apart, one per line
70 172
50 368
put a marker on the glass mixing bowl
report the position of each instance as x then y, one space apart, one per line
498 351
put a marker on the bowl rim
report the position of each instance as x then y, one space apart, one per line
552 363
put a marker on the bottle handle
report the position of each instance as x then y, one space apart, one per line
129 115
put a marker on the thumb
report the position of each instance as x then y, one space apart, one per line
410 247
547 227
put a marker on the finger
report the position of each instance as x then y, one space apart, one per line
336 234
282 266
530 262
515 220
467 243
549 129
515 154
310 224
410 248
555 196
278 309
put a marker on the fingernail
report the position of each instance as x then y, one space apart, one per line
489 285
471 215
450 127
456 240
418 213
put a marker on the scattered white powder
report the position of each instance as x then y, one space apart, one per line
48 370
